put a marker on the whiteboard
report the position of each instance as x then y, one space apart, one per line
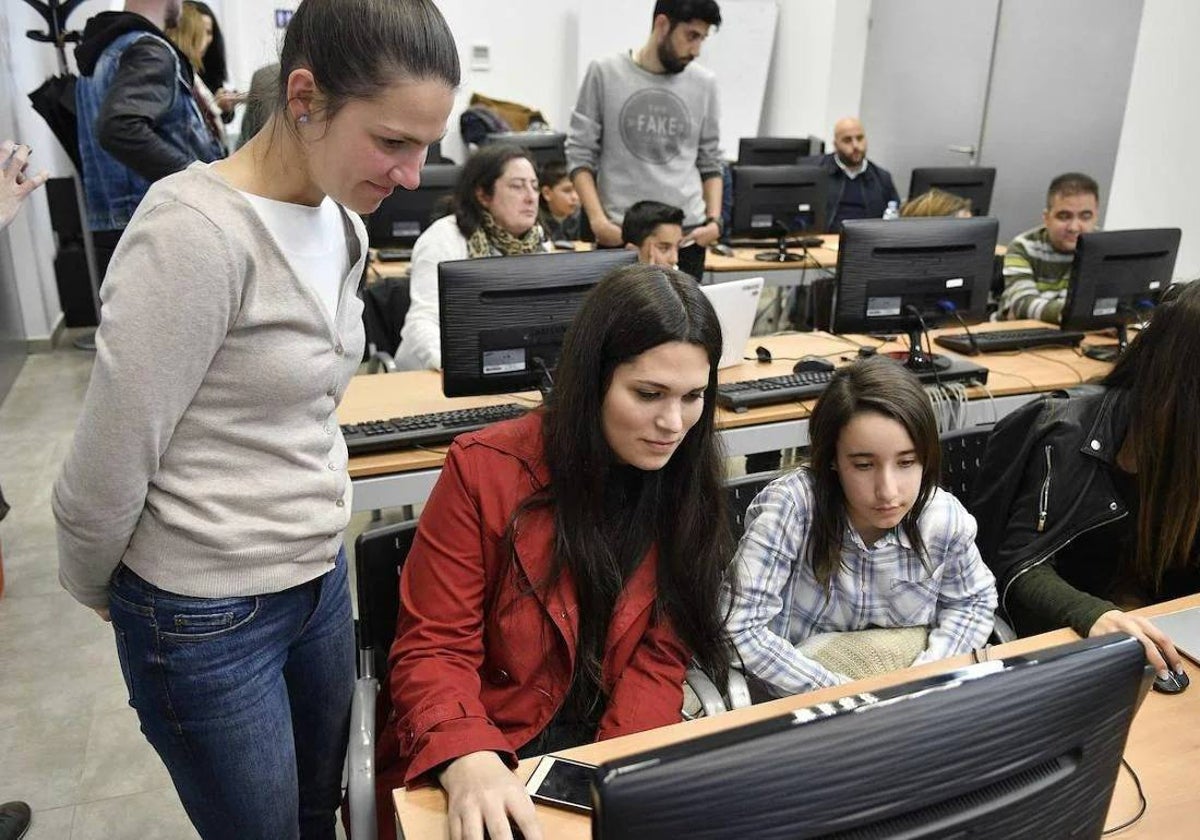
739 53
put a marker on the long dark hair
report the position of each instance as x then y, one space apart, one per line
881 386
357 48
480 172
634 309
1164 431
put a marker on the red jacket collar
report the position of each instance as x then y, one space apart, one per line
523 440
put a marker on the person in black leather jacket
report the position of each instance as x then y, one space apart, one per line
1088 501
138 119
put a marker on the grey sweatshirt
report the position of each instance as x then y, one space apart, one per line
208 457
646 136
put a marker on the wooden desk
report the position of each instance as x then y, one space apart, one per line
1163 748
402 477
716 267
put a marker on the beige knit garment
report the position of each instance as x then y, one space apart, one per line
865 653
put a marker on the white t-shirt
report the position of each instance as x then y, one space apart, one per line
313 239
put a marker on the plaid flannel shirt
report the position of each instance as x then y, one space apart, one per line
778 602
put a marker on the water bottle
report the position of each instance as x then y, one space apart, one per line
892 211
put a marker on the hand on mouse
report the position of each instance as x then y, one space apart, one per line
1160 652
484 793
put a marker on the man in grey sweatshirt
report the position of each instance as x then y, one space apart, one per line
645 127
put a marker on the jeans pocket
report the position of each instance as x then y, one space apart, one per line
123 658
181 618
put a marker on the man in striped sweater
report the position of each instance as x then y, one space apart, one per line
1037 266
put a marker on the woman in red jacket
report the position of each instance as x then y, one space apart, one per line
567 566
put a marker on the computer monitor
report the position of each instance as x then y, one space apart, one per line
905 275
1027 746
773 151
543 146
503 318
970 182
404 215
777 201
1116 279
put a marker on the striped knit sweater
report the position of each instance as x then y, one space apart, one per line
1035 278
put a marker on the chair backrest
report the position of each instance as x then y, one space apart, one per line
385 305
962 451
379 556
740 493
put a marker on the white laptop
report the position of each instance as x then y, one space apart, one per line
736 303
1184 629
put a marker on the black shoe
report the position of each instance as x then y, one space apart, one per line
14 820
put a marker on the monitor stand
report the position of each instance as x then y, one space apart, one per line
1107 353
781 253
933 369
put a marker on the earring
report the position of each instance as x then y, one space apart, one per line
302 119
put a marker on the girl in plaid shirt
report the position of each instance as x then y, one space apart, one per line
861 537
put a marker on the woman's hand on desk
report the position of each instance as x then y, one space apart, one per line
1160 651
483 792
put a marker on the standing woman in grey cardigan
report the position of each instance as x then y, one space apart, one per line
203 502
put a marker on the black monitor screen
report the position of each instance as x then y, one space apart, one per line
889 270
773 200
404 215
772 151
503 318
1118 275
970 182
1022 747
543 146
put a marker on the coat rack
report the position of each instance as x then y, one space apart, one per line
56 13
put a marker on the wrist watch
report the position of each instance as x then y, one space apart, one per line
708 220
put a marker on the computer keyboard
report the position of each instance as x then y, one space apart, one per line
1001 340
424 429
394 254
738 396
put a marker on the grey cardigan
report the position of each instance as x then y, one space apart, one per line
208 457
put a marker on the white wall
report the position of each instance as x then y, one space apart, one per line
27 64
1156 182
817 72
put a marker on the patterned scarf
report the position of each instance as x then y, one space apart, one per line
489 238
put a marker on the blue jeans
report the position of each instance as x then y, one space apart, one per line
246 700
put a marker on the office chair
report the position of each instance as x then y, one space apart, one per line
962 452
379 556
739 493
385 305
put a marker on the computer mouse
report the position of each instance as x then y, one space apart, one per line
721 248
812 364
1173 683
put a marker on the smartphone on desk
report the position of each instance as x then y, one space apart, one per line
562 783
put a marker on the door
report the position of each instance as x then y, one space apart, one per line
925 82
1033 88
1059 86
